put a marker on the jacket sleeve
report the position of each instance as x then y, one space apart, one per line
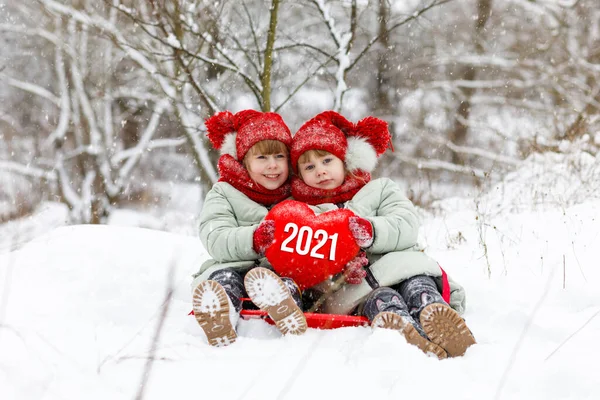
220 232
394 218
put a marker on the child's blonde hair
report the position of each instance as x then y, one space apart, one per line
266 147
306 156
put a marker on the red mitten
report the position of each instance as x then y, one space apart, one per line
353 271
362 230
264 236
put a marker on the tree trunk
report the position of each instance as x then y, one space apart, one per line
459 135
383 81
266 75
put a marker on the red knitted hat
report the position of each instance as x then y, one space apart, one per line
358 145
235 134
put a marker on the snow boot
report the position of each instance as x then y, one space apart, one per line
215 313
310 296
447 329
271 294
294 291
385 308
419 291
233 283
440 322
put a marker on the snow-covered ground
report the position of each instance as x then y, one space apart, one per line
81 306
175 210
48 216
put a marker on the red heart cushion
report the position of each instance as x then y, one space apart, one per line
310 248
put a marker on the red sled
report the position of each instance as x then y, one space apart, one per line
313 320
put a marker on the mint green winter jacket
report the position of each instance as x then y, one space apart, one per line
228 220
393 257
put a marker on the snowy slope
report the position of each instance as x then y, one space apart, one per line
79 308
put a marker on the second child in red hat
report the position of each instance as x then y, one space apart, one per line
391 282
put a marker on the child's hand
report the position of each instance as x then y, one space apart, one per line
353 271
264 236
362 230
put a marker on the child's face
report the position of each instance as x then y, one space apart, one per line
270 171
322 172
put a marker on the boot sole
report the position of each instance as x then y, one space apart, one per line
269 293
211 309
447 329
390 320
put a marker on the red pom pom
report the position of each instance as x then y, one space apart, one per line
223 123
375 131
218 126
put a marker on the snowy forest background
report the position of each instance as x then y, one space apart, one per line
494 109
103 102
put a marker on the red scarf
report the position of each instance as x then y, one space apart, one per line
234 173
313 196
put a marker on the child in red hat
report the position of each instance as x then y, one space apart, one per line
390 282
254 172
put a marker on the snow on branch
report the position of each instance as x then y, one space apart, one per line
86 107
342 42
29 31
32 88
106 26
329 21
483 84
169 86
199 148
413 16
138 150
520 103
475 151
199 89
482 60
27 170
174 43
190 122
107 101
256 87
546 10
65 106
124 92
50 37
69 155
87 195
153 144
67 192
438 165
